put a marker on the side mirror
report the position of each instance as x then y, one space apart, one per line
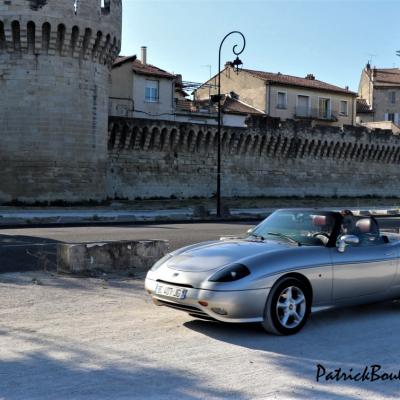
345 240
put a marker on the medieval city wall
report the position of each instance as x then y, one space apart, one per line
55 61
57 142
271 158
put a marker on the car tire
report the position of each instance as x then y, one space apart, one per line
287 308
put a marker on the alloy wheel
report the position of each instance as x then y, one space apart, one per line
291 307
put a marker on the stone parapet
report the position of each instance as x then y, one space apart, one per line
150 158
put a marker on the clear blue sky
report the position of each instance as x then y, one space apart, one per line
331 39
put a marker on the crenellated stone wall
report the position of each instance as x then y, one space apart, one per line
271 158
55 60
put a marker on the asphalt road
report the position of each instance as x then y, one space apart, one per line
35 248
70 338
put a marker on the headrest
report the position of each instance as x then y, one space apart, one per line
364 225
319 220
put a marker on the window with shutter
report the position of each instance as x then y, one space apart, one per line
151 91
303 106
343 108
281 101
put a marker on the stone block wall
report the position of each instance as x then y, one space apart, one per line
55 60
271 158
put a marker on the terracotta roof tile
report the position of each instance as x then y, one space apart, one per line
297 81
229 105
363 107
121 59
234 106
148 69
143 69
386 76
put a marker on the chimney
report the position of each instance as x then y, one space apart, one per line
144 55
228 64
311 77
178 80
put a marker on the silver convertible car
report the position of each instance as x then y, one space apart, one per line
295 261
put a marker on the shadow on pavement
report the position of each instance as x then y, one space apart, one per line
58 368
27 253
344 338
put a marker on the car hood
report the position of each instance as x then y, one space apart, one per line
214 255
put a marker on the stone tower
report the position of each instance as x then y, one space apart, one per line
55 61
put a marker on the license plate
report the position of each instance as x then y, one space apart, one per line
170 291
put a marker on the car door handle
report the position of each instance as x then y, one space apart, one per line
392 253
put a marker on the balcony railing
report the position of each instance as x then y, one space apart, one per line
314 113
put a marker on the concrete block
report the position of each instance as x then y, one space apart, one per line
134 256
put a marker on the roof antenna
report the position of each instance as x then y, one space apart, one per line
209 68
397 54
370 57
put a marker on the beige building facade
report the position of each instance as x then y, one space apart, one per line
379 95
142 90
287 97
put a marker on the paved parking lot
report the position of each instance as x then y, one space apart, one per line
71 338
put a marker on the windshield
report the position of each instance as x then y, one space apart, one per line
312 228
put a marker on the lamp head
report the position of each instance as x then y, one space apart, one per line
237 64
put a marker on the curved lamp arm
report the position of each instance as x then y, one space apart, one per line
236 50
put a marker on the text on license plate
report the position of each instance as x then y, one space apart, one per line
170 291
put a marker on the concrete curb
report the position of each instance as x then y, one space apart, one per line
35 218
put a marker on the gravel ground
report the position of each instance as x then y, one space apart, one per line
70 338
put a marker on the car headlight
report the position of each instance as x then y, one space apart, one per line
160 262
232 273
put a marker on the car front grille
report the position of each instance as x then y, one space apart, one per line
183 307
175 284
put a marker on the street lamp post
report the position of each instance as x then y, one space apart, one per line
236 65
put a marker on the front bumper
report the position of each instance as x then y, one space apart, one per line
239 305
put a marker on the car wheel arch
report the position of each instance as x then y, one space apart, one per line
301 278
270 323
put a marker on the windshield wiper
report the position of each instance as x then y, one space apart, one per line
259 237
281 235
